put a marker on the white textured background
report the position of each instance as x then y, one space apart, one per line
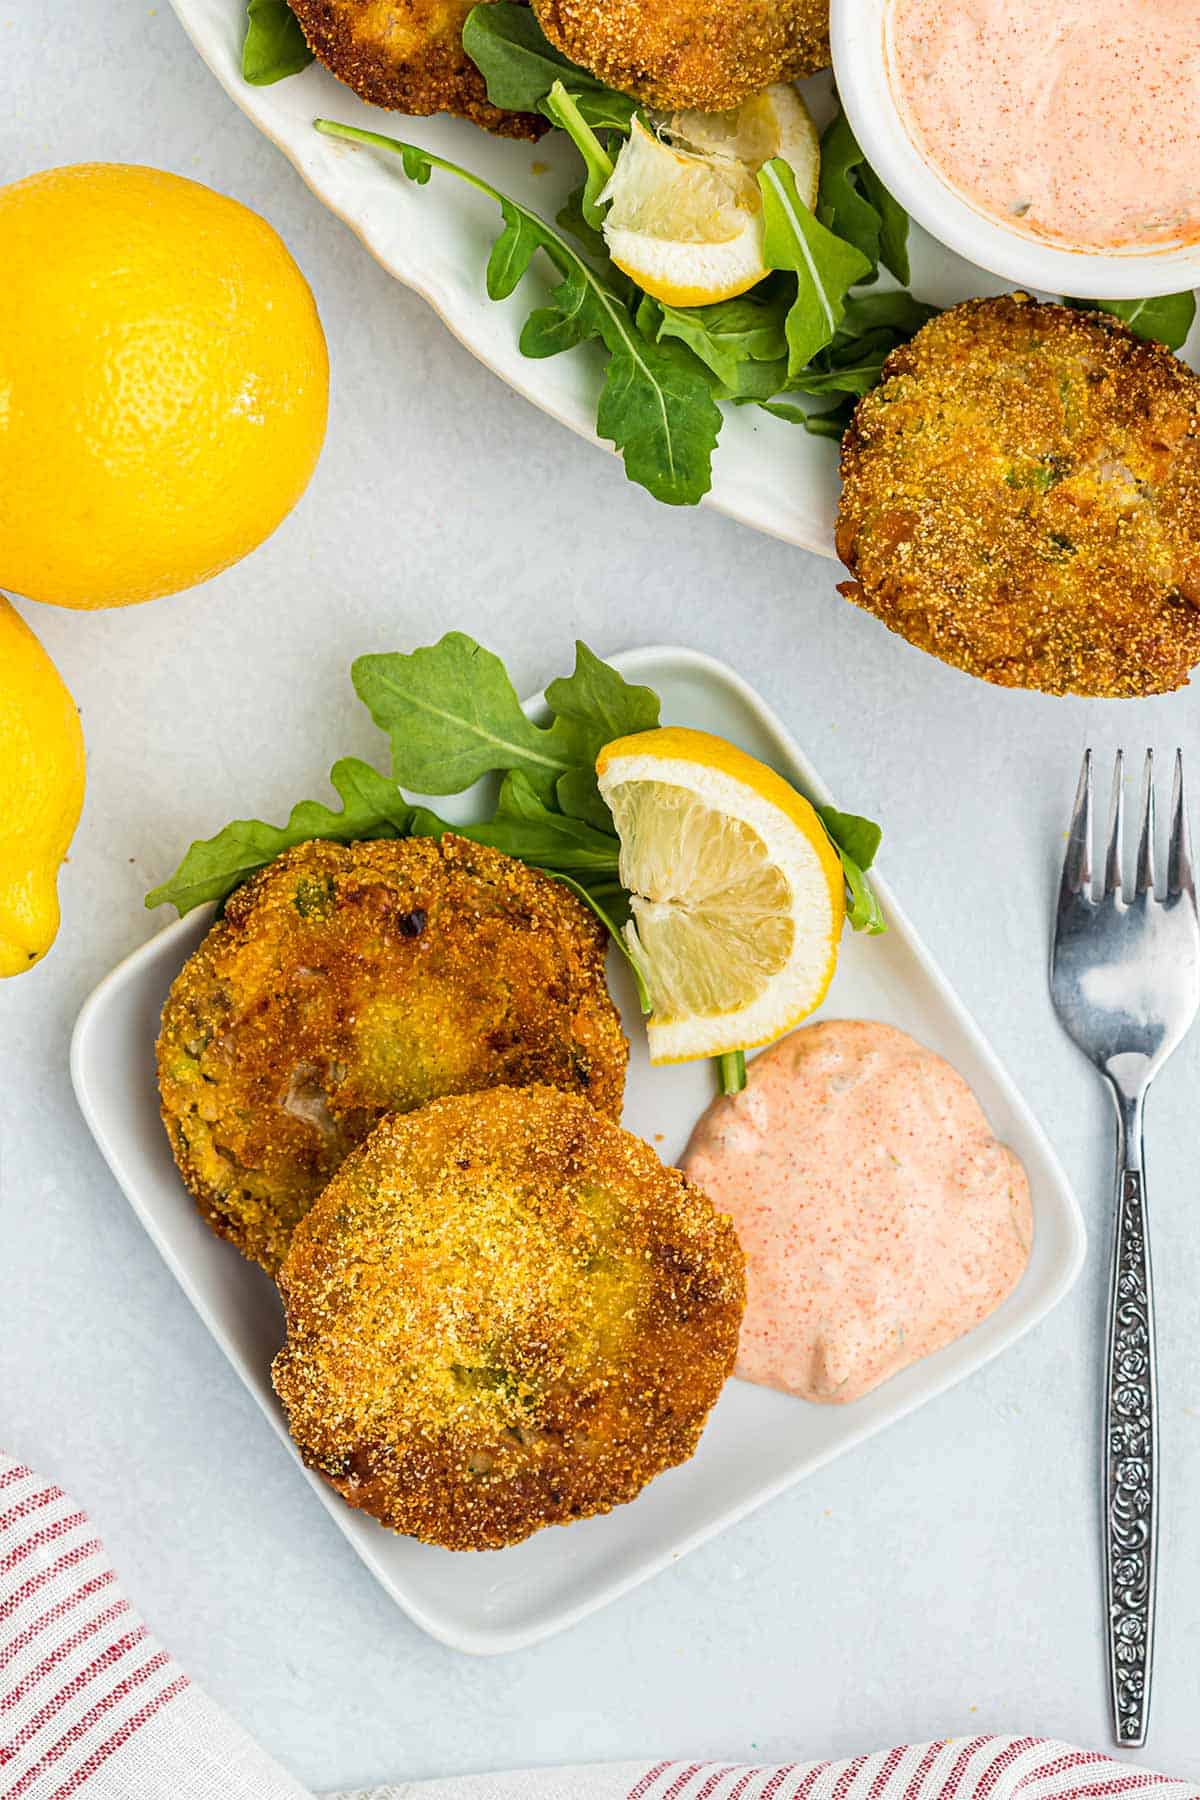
941 1580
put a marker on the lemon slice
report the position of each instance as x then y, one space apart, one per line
685 213
737 893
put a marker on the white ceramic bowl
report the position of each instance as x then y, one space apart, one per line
858 32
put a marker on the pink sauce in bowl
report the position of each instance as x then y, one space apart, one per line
1073 121
879 1216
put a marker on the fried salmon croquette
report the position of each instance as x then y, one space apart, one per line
1022 499
346 981
676 54
504 1312
407 55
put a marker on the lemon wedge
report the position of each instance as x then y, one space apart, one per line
685 214
737 893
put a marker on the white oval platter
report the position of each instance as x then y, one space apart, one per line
766 473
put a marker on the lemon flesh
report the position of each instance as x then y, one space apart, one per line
685 214
736 892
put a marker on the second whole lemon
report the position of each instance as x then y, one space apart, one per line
41 791
163 384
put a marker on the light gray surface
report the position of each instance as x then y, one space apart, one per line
941 1580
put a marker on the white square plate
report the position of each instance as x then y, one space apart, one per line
757 1442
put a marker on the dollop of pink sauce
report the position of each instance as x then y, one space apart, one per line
1072 120
879 1216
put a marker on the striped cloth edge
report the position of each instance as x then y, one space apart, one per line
93 1706
978 1768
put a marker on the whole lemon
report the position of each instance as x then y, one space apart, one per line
164 384
41 791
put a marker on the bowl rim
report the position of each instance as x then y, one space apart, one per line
857 38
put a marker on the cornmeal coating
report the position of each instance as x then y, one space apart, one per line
504 1312
407 55
347 981
674 54
1022 499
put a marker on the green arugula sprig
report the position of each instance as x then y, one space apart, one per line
452 717
274 45
656 405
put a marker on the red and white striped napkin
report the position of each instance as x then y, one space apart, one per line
92 1706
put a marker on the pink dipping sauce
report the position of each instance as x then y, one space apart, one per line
1073 120
879 1216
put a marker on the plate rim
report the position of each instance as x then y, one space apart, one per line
496 1641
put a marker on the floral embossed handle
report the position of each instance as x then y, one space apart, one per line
1131 1462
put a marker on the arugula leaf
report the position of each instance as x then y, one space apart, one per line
520 66
830 424
452 715
853 835
756 381
656 404
274 45
1165 320
826 267
525 827
853 203
726 334
893 225
856 841
595 705
563 111
854 378
841 207
578 796
891 309
872 325
372 807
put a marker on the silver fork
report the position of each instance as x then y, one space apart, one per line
1125 979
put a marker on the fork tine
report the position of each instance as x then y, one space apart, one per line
1145 856
1077 862
1179 851
1113 859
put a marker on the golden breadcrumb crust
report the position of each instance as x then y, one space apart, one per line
407 55
346 981
674 54
1022 499
504 1312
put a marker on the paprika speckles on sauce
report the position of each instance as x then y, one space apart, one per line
879 1216
1074 121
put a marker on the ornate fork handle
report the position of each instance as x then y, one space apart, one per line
1131 1449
